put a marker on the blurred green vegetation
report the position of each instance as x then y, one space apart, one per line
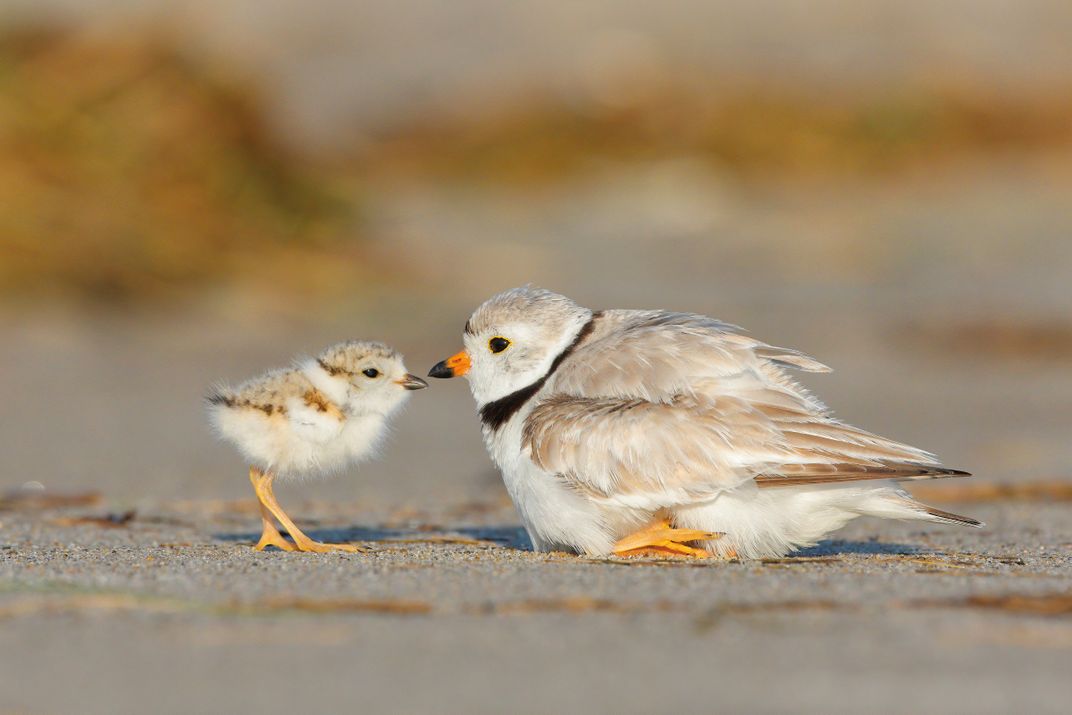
129 172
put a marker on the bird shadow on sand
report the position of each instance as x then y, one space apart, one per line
511 537
835 547
514 537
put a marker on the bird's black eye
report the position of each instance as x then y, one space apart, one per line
371 372
498 344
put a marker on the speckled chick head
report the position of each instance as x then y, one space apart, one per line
370 376
353 356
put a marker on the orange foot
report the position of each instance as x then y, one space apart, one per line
660 539
262 485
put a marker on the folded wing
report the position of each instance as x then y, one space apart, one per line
665 408
314 418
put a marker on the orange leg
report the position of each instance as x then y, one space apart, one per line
262 485
661 539
270 536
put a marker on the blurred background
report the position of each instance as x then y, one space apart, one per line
193 191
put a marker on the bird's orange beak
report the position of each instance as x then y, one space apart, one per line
454 366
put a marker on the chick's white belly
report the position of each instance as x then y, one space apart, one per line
274 445
555 517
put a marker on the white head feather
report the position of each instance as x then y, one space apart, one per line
538 326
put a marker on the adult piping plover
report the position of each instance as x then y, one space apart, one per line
323 414
630 431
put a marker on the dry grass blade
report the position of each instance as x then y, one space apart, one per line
108 521
339 605
819 604
123 602
959 564
21 499
941 563
1052 604
801 560
570 604
85 602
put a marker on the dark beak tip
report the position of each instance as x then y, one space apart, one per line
412 382
441 371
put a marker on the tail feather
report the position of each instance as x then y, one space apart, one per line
795 475
948 516
220 395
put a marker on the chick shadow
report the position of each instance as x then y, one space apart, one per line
509 537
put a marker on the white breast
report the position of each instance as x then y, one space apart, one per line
555 517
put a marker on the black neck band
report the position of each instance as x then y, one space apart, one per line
495 414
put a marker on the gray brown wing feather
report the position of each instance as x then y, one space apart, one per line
666 402
794 475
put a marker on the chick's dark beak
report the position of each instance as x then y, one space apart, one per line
412 382
454 366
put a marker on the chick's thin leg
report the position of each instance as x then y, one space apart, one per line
262 485
270 536
661 539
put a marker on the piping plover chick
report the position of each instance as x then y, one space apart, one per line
638 432
318 417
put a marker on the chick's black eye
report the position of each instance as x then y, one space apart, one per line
498 344
371 372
